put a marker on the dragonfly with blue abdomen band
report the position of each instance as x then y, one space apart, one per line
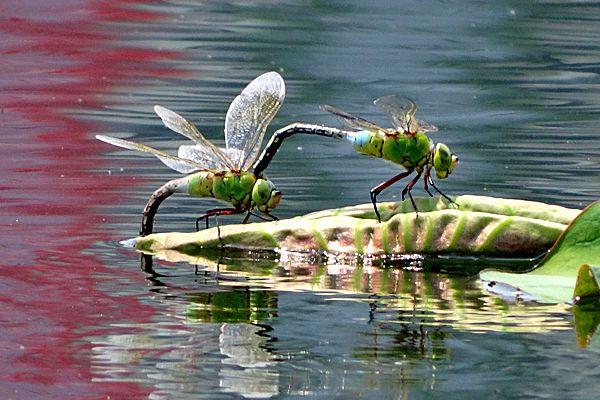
406 144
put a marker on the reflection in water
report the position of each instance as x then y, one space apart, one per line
232 306
587 319
249 327
245 369
243 344
436 299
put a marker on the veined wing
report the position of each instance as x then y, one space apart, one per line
249 115
204 152
234 154
178 164
425 126
402 111
195 153
350 120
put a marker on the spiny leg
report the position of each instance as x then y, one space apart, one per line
200 218
426 179
247 217
216 212
273 218
384 185
260 217
409 187
225 211
432 183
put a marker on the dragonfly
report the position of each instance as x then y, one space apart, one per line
405 144
220 173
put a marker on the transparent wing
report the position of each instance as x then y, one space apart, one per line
196 154
234 154
402 111
249 115
425 126
350 120
204 153
176 163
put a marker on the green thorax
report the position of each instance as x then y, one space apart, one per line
232 187
408 151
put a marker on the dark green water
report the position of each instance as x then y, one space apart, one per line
515 91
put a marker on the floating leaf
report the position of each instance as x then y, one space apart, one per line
567 271
481 226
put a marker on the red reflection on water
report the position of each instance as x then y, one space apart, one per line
58 55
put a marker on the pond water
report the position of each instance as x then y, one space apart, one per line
513 87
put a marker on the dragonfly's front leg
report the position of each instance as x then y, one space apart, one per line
273 218
260 216
247 217
432 183
426 180
409 187
382 186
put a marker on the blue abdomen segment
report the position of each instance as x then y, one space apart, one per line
362 141
361 138
367 142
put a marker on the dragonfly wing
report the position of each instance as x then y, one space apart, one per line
249 115
234 154
176 163
350 120
205 152
198 154
425 126
401 110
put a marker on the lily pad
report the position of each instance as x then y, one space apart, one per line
569 271
481 226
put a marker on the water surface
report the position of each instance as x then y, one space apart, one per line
514 89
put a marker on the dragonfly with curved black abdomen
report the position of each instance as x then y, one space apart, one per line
220 173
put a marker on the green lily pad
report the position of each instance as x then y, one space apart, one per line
481 226
568 271
587 284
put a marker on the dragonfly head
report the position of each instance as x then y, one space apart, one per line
265 196
443 161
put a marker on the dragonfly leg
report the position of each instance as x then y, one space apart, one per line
426 179
216 212
273 218
200 218
260 217
247 217
384 185
409 187
432 183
